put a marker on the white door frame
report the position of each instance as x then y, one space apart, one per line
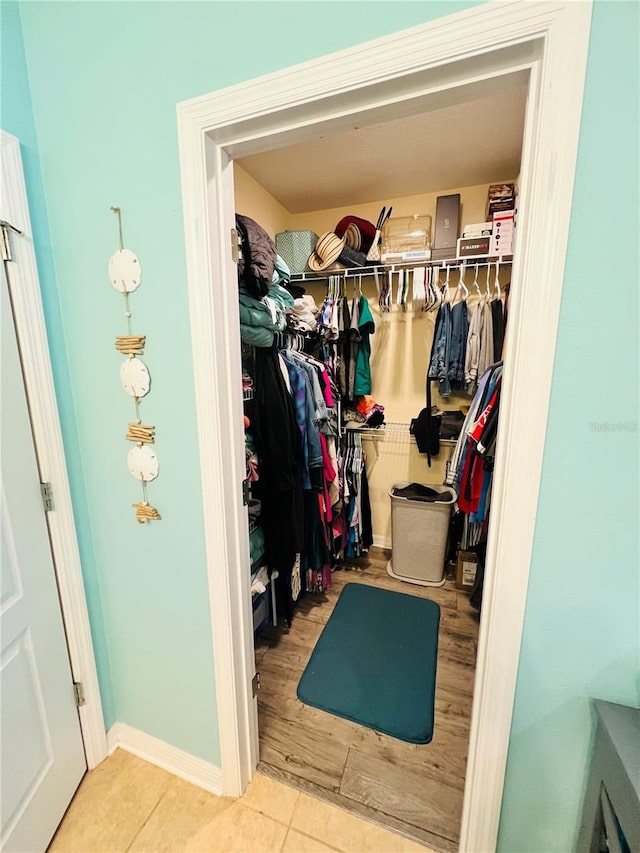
378 79
43 409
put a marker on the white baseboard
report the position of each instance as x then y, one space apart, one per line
170 758
382 541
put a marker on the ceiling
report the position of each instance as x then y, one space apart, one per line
469 143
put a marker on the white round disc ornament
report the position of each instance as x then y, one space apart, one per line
143 463
135 378
125 272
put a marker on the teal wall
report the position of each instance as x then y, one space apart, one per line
582 631
16 117
105 78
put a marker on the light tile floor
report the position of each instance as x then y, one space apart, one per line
127 804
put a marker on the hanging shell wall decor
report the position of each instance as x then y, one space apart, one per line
125 274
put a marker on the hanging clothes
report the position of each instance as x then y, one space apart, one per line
305 413
344 347
261 317
497 319
440 350
279 447
366 328
458 346
472 357
485 356
257 259
474 461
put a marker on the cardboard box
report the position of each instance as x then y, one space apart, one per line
503 234
473 247
466 568
499 206
500 197
478 229
447 222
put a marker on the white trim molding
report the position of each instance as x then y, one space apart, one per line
402 74
170 758
32 334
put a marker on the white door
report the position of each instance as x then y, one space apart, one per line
42 752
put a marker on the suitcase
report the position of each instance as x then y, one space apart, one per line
294 247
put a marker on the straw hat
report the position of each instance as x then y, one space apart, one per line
353 237
327 251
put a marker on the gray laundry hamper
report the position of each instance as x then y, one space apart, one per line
419 532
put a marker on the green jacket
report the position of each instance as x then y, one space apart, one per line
257 325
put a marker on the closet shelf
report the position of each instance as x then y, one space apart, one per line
354 272
392 431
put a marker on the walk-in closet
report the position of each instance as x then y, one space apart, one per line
374 273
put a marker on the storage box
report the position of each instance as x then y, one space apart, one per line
447 222
446 254
478 229
419 533
473 247
500 206
503 234
500 197
294 247
466 568
406 238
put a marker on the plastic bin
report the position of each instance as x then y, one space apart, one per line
419 531
260 612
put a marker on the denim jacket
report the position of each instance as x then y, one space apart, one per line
438 367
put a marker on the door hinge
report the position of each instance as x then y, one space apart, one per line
47 496
78 691
5 240
235 246
246 492
255 684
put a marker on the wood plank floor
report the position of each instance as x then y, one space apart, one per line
415 789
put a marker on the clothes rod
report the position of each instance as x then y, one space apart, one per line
382 269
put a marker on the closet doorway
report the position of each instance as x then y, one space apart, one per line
325 97
402 165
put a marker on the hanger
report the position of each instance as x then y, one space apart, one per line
475 283
487 291
496 283
461 287
446 296
433 291
401 298
435 288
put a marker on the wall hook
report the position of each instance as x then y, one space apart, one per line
118 213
